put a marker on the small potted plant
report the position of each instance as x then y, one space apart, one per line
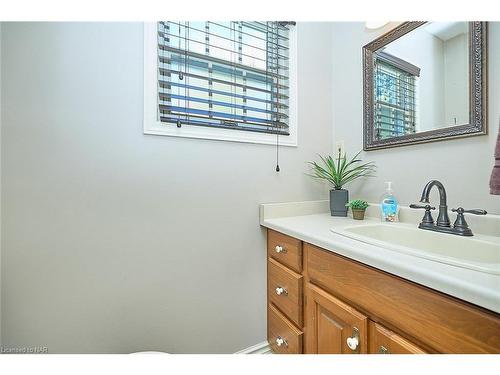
338 173
358 208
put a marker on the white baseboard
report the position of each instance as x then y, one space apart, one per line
260 348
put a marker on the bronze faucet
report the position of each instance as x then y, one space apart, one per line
460 226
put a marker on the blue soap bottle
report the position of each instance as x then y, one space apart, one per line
389 206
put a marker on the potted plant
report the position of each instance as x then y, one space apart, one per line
338 173
358 208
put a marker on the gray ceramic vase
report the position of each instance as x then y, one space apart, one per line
338 200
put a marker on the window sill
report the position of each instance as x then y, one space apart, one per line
187 131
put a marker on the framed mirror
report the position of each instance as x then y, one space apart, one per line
423 82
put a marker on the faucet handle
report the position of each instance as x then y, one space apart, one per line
460 223
426 207
476 211
427 220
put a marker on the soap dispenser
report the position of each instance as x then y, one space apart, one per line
389 207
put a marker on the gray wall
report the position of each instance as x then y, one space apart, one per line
463 165
113 241
456 101
429 57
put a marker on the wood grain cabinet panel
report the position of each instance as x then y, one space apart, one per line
285 249
324 299
330 323
282 335
439 321
284 290
383 341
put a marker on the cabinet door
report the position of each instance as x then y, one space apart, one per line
384 341
333 327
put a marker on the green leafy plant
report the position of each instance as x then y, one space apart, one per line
357 204
341 171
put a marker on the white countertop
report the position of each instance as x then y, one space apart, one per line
311 222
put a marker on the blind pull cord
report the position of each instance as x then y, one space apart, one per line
277 102
181 75
186 30
277 154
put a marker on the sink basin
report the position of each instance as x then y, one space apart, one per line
481 254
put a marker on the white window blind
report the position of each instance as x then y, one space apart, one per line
229 75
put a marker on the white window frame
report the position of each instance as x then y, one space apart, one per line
153 126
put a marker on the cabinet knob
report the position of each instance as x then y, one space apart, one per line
353 341
280 249
280 341
383 350
280 290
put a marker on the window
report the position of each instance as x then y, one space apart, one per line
231 80
395 96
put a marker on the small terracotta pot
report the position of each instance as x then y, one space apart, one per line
358 214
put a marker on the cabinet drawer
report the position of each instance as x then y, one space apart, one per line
383 341
282 335
286 250
441 322
284 289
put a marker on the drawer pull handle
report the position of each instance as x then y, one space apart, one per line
280 341
353 341
280 249
383 350
280 290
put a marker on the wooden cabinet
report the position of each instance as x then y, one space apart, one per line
285 249
384 341
333 327
284 290
285 314
282 335
332 303
439 322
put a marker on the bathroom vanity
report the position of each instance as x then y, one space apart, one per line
331 294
